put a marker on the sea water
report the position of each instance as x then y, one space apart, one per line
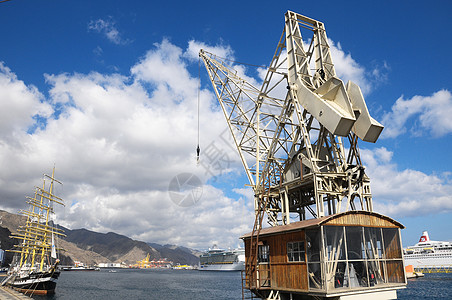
432 286
165 284
134 284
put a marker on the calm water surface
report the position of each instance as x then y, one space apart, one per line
147 284
192 284
432 286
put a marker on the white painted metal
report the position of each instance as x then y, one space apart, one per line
370 295
365 127
274 295
323 96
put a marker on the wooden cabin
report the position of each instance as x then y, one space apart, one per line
341 255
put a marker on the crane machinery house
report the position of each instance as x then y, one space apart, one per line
346 253
297 136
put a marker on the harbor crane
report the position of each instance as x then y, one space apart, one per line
297 135
289 132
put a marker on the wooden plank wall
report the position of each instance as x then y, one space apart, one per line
279 273
361 220
284 274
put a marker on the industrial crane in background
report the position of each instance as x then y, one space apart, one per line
297 135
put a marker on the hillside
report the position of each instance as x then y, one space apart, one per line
179 253
92 247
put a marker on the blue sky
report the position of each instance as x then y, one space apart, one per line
107 90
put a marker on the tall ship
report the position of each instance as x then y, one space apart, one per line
216 259
427 253
34 268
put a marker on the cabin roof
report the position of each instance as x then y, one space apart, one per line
351 218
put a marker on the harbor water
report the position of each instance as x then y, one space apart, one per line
192 284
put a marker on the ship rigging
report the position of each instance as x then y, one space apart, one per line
34 268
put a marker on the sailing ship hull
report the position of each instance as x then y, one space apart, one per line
39 283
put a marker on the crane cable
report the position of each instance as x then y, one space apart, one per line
236 62
198 150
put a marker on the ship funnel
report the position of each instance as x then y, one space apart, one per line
424 237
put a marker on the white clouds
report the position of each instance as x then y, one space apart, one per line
117 130
19 104
166 68
117 141
402 193
420 115
347 68
219 50
107 28
151 216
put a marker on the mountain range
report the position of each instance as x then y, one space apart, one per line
93 248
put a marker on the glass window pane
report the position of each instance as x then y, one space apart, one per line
334 242
372 244
357 274
392 243
313 245
263 253
376 273
354 242
315 276
295 251
395 271
341 277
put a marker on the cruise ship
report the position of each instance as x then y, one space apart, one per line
427 253
222 260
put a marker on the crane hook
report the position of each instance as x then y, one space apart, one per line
198 150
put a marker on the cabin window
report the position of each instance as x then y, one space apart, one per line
355 249
392 243
295 251
313 248
393 255
334 242
373 243
313 240
373 252
263 253
357 257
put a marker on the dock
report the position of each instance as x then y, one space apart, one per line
410 272
7 293
434 269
